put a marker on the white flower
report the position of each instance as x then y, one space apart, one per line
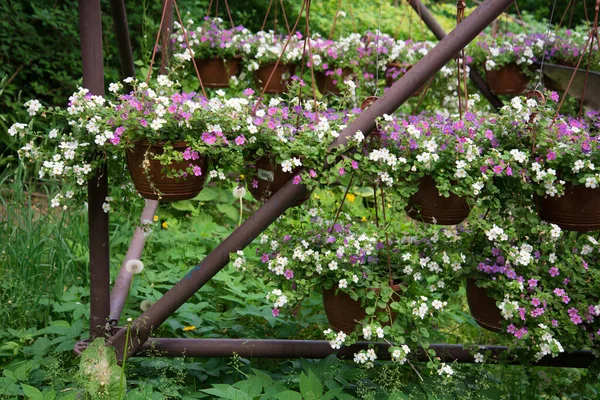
134 266
379 332
286 166
359 136
343 283
591 183
239 192
14 129
478 358
106 207
33 106
367 332
445 369
333 265
114 87
157 123
163 80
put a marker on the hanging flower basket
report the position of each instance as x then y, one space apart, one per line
342 312
151 182
427 205
395 71
329 83
268 178
279 80
508 80
215 72
483 307
577 210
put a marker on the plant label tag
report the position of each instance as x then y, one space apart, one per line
265 175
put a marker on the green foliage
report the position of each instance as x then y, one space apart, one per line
99 373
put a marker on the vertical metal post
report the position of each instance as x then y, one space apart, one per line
90 28
439 33
119 14
287 195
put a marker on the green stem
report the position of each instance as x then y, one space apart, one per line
122 380
241 212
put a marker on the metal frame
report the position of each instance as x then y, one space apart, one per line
105 309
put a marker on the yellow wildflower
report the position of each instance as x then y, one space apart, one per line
155 218
189 328
164 225
364 219
242 177
350 197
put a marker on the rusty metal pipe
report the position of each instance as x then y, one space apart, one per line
281 348
120 290
90 28
287 195
439 33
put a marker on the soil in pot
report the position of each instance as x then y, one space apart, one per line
279 80
215 72
330 83
270 179
508 80
427 205
577 210
342 312
152 183
483 307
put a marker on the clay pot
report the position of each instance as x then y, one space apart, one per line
508 80
394 72
483 307
428 206
215 72
270 179
277 84
577 210
165 188
342 312
326 84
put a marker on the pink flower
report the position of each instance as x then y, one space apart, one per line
289 274
264 258
354 164
275 312
554 96
197 170
240 140
535 301
532 282
553 272
296 179
341 171
566 299
312 173
254 183
248 92
559 292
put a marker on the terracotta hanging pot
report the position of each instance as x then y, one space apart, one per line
343 313
427 205
483 307
152 183
215 72
278 83
508 80
577 210
394 72
329 83
270 179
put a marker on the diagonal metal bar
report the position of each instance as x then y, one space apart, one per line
120 291
287 195
439 33
90 28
